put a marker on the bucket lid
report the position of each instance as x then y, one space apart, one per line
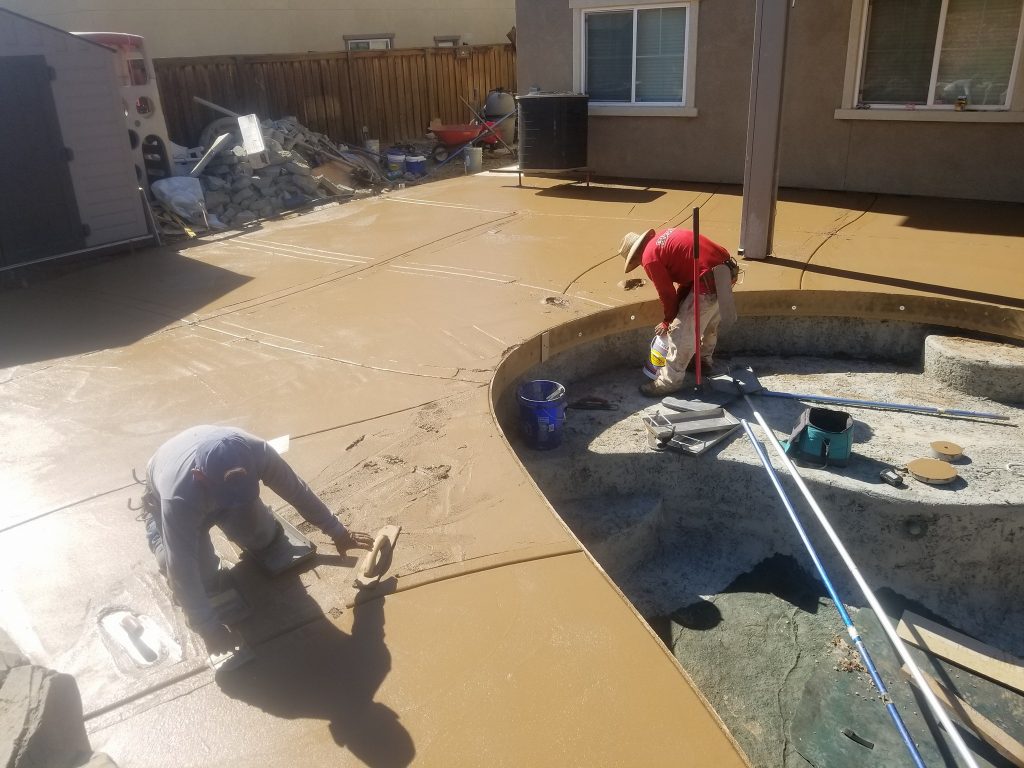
416 158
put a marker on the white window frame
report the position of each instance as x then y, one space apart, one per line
369 40
581 8
854 109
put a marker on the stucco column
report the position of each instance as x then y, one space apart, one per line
764 116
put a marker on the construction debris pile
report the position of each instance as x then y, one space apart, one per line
240 188
232 185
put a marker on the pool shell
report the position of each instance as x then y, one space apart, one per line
666 540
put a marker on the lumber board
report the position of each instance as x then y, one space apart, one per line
989 732
964 651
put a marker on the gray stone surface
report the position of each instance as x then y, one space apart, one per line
307 184
984 368
215 198
41 720
10 656
99 760
298 167
605 482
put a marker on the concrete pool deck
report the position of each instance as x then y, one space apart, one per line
372 333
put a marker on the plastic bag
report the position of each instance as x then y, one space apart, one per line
183 195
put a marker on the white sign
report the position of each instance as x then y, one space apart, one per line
252 134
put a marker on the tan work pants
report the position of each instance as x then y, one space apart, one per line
680 338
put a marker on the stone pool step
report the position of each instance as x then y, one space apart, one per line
980 368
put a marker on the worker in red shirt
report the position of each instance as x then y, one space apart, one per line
667 258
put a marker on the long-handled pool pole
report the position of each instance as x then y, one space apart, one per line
850 628
696 292
890 631
931 410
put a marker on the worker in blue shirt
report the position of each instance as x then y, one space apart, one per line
209 476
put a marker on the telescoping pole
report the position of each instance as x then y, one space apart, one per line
844 615
696 290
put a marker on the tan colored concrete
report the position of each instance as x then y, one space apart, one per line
543 676
370 333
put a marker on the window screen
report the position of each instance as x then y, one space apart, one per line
972 54
636 54
610 56
978 44
660 40
900 51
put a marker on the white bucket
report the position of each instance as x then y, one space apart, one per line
396 163
474 159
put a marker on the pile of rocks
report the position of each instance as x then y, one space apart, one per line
41 721
241 188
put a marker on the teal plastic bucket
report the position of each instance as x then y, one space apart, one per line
540 418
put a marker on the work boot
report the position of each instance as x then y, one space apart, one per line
706 364
657 389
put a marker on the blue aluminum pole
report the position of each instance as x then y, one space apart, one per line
850 628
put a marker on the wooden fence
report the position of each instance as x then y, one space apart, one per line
393 94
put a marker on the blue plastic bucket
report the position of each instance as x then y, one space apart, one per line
416 164
541 419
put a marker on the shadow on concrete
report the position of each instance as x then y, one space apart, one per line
599 194
318 671
898 282
943 214
108 305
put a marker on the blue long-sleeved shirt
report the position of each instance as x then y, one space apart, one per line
187 509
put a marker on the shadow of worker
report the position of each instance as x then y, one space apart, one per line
318 671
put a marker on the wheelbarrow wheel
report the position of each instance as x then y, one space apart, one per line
440 153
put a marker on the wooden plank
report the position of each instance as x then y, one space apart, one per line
430 62
962 650
989 732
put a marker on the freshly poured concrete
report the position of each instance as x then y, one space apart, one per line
369 333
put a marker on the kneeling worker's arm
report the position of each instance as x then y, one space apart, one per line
282 480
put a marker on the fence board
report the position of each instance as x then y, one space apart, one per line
394 94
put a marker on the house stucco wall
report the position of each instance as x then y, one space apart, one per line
177 28
962 159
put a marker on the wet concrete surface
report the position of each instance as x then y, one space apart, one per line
368 333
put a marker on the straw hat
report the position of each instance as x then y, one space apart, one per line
632 248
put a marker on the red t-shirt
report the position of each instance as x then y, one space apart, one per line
668 260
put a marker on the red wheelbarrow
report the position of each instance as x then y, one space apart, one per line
451 137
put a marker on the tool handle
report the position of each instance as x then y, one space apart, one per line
696 290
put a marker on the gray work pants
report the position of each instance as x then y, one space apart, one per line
252 528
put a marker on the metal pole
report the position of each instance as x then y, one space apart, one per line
696 289
928 409
869 595
897 720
